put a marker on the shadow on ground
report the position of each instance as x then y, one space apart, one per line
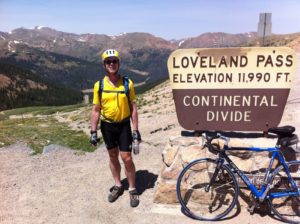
144 180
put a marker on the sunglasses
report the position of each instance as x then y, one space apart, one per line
114 61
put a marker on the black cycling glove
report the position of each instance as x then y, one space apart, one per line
136 135
93 139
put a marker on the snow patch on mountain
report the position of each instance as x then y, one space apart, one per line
37 28
80 39
249 35
118 35
181 42
11 47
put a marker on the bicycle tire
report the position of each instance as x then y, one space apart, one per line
202 205
285 208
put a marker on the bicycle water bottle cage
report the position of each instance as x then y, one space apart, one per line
285 135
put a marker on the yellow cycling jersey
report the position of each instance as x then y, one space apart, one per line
114 106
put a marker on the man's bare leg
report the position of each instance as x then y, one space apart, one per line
114 165
129 168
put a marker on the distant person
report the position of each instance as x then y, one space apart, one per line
114 103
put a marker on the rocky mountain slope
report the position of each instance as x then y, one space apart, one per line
75 60
85 46
142 53
217 39
20 87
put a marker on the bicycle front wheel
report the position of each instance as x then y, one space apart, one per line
287 208
201 200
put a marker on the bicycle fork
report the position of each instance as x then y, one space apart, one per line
220 162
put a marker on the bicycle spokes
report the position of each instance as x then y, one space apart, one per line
204 193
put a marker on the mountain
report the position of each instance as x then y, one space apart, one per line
80 46
143 56
87 46
73 61
20 87
61 69
217 39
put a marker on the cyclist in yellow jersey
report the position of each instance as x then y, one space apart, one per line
115 110
114 106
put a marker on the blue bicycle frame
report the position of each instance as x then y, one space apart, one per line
262 193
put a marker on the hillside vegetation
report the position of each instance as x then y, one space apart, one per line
70 125
38 127
20 88
274 40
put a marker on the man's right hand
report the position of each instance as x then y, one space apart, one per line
93 139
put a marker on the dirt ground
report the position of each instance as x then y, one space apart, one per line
63 186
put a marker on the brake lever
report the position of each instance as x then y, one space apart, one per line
204 139
226 139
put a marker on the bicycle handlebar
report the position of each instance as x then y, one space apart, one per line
218 135
207 141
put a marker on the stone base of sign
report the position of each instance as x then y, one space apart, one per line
182 150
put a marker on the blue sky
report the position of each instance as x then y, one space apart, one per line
169 19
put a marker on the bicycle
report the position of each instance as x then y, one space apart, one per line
207 188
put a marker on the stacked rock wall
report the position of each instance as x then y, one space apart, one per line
182 150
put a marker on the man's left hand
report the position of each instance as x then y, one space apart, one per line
136 135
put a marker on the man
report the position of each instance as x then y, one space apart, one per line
114 106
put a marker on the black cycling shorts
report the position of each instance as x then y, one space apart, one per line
117 135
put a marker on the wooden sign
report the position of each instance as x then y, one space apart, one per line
237 89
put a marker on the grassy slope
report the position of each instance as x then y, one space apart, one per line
38 127
39 131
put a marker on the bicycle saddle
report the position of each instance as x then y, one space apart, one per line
284 131
285 134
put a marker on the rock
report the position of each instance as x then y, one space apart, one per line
18 147
261 161
184 141
169 154
173 171
166 193
191 153
244 165
55 148
244 154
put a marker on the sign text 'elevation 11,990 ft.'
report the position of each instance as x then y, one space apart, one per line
241 89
